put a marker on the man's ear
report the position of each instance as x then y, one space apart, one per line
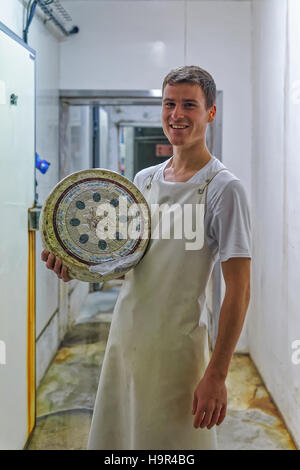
212 113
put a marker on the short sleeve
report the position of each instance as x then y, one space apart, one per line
139 180
230 223
135 180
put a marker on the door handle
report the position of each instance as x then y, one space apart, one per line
34 218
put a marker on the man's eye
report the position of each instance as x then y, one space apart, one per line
189 105
168 105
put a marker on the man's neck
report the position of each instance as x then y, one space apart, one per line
184 164
189 159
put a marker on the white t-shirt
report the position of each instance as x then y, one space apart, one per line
227 219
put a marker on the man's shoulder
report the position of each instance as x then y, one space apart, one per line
225 183
143 174
223 174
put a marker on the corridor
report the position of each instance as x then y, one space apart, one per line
67 392
170 105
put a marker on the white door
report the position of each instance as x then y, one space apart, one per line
17 187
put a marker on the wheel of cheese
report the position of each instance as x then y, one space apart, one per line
92 217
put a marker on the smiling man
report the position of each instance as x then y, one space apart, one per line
159 388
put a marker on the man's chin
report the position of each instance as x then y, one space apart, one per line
177 142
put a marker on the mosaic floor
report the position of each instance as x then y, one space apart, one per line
67 392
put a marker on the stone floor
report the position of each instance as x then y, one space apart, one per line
66 395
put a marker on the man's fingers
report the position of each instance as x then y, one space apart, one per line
57 267
222 415
215 416
207 418
55 264
44 255
64 274
194 405
51 261
199 416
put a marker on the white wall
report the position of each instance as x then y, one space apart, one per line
274 320
46 44
122 44
47 131
219 40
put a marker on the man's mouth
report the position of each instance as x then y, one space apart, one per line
173 126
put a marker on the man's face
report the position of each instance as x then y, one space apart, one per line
184 114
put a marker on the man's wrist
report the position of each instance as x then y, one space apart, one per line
215 374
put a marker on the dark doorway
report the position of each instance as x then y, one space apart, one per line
151 147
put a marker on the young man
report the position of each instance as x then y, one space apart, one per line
158 387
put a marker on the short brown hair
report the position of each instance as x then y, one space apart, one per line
194 75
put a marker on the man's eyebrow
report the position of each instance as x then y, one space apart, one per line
190 100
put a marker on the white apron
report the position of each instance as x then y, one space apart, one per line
157 349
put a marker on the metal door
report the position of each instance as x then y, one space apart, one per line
17 189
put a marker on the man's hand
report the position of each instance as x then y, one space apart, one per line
210 396
210 402
55 265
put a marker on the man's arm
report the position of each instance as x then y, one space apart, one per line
236 273
210 395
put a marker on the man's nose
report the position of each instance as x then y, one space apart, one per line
177 113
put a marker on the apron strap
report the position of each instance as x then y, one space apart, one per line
148 185
150 177
204 186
